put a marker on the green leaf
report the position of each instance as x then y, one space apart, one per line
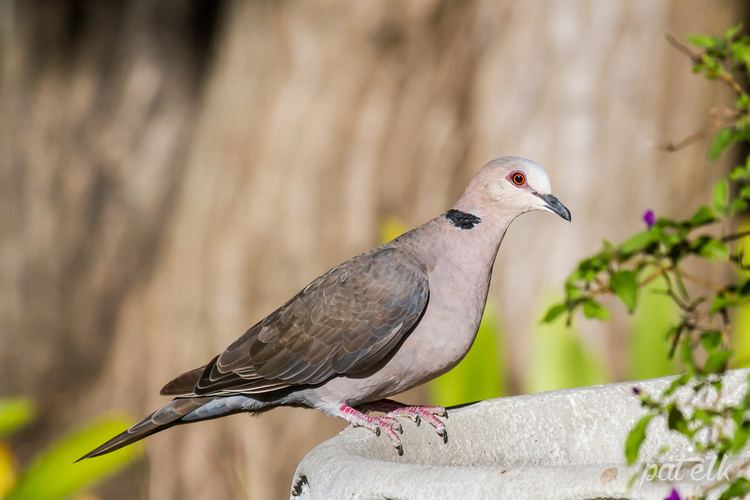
54 474
686 353
702 216
717 361
741 53
702 41
560 360
741 435
635 439
733 31
721 196
589 268
639 241
594 310
740 172
737 205
714 250
720 303
739 488
721 141
14 414
625 286
710 248
554 312
676 421
711 340
677 383
703 415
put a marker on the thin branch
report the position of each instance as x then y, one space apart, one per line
675 297
695 58
671 146
735 236
719 116
724 76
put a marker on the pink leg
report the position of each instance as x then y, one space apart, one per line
387 424
416 413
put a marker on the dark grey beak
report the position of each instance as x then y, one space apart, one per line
556 206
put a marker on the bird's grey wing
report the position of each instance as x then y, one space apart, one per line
344 322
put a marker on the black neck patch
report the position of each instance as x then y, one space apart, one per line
462 219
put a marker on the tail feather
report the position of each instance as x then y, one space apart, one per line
184 384
164 418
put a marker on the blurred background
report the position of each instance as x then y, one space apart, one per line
171 171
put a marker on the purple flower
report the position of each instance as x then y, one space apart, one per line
674 495
649 218
636 390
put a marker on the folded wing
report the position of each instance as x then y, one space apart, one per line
343 323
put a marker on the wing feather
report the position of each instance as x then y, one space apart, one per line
344 322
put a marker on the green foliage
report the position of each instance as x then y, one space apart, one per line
701 334
740 488
649 346
54 474
625 286
560 360
721 196
635 439
593 309
741 337
480 375
721 141
14 414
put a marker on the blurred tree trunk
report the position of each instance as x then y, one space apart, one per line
171 171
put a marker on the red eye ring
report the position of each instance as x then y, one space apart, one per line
518 178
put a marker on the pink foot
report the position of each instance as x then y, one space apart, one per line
386 423
416 413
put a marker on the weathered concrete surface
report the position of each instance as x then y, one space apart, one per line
563 444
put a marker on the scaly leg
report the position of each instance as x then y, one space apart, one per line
416 413
386 423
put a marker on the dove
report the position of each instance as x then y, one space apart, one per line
377 325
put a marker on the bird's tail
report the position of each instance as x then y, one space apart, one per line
176 412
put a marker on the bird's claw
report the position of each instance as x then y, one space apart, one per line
383 425
443 434
428 413
389 424
392 428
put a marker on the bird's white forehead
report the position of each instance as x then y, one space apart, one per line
536 176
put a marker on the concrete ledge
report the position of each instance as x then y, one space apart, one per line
563 444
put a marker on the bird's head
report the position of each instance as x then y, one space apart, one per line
511 186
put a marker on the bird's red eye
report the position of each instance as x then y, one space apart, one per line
518 178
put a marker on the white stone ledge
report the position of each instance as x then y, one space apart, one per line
562 444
